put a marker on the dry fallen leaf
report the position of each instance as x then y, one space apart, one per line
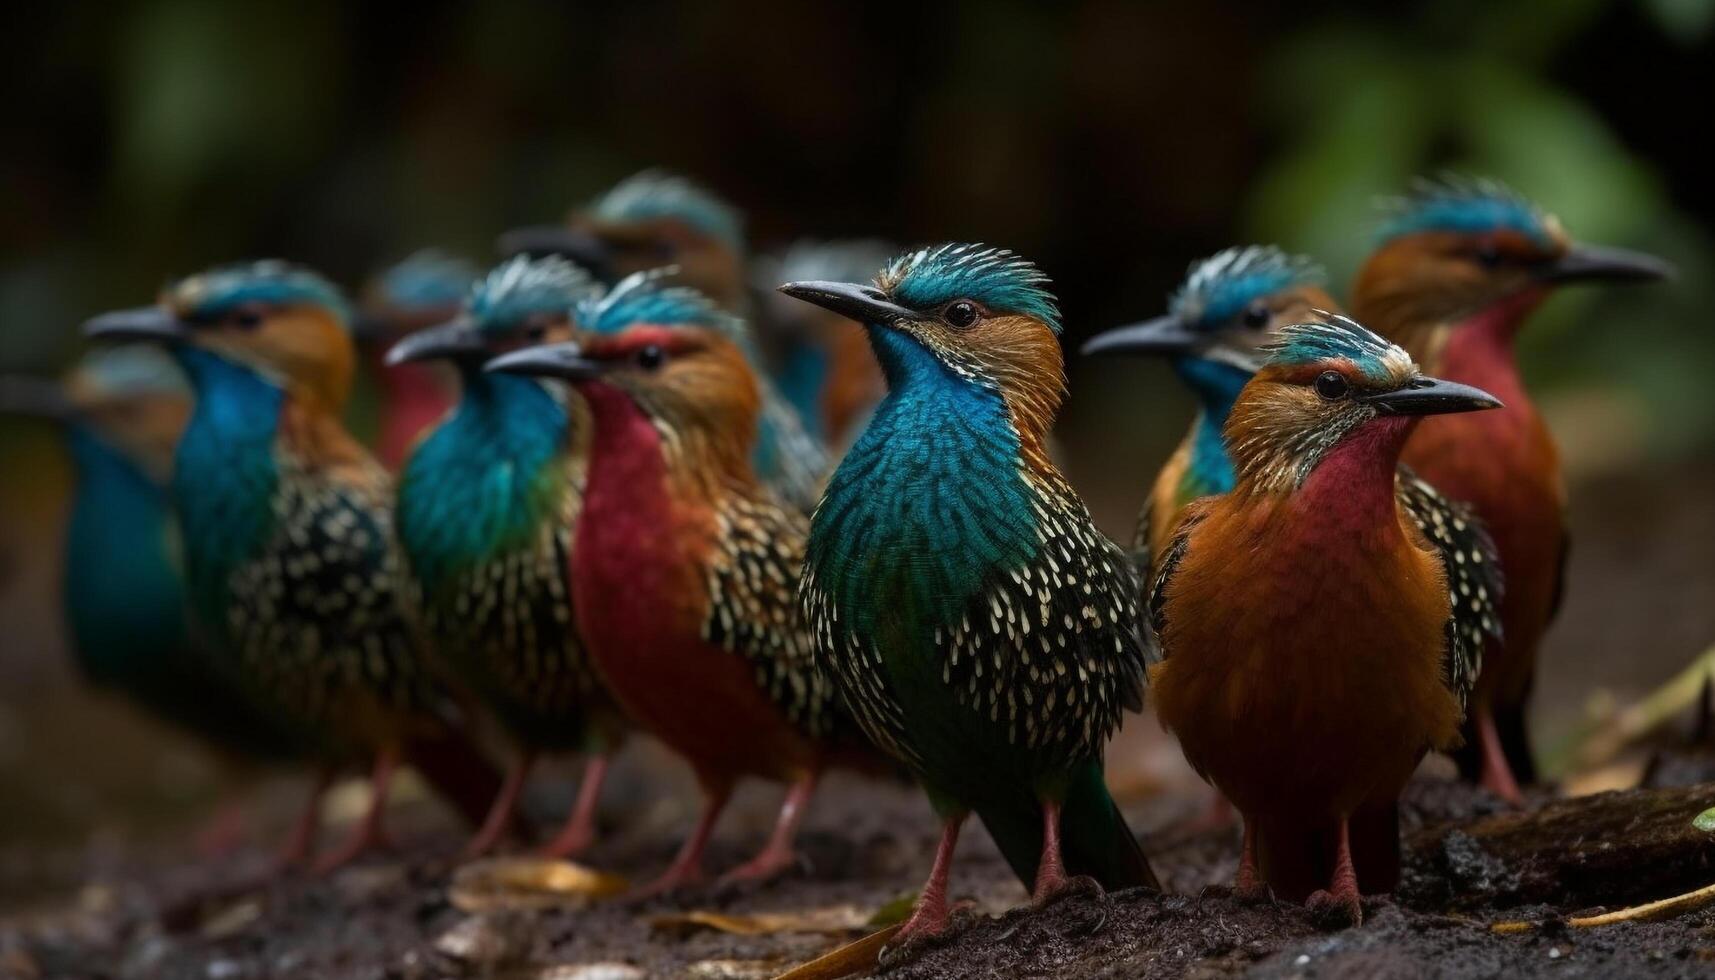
232 919
523 883
854 957
834 920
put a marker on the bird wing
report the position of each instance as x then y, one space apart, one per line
754 609
1166 566
1473 577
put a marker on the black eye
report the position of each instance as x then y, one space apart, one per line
1256 316
535 333
1332 385
960 314
1487 255
651 357
246 319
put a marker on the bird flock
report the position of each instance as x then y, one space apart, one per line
797 512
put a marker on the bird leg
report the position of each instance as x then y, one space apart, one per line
1497 775
1340 903
300 844
687 866
369 832
223 830
1248 884
1050 870
778 855
499 818
579 832
929 917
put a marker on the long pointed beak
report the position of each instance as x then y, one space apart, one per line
854 301
37 398
1598 263
563 360
580 247
142 323
457 340
1164 336
1432 396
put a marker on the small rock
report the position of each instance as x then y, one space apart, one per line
223 970
591 971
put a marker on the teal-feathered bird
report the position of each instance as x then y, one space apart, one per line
970 614
292 573
487 506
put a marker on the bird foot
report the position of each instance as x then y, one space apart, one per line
1066 887
674 879
1252 893
767 866
569 844
1335 911
925 930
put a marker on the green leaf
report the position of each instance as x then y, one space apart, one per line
1705 821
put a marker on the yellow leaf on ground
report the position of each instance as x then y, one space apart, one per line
837 919
529 883
855 957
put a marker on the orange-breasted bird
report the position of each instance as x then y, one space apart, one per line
684 565
1461 265
292 571
1321 624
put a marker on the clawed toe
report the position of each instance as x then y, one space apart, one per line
1331 911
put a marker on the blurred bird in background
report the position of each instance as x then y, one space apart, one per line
421 290
1322 624
487 506
684 563
980 628
1461 265
292 573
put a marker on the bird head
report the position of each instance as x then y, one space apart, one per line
1220 320
282 321
423 289
1454 247
665 351
961 315
1330 383
133 395
521 302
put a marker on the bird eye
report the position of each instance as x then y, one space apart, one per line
1487 255
246 319
651 357
1331 385
1256 316
535 333
961 314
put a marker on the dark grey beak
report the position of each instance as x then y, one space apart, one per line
579 247
1431 396
854 301
457 340
564 361
37 398
143 323
1596 263
1164 336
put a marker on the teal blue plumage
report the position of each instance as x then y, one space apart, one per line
976 624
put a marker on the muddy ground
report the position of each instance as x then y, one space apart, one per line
867 845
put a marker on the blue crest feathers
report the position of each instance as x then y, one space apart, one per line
658 194
1469 205
998 279
522 286
425 280
1218 288
1337 337
271 282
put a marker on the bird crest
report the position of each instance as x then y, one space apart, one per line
655 194
1217 288
648 297
1339 338
1467 205
522 286
272 282
1001 280
425 280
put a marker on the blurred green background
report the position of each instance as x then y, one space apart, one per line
1112 142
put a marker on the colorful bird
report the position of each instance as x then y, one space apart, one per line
1461 265
1321 624
683 563
973 619
122 411
655 220
824 369
486 510
1229 306
292 573
422 290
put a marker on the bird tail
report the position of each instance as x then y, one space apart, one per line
1094 838
450 762
1296 857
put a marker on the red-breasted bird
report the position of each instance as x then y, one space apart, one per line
292 571
1321 624
1461 265
655 220
419 291
1229 306
973 619
684 565
486 509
